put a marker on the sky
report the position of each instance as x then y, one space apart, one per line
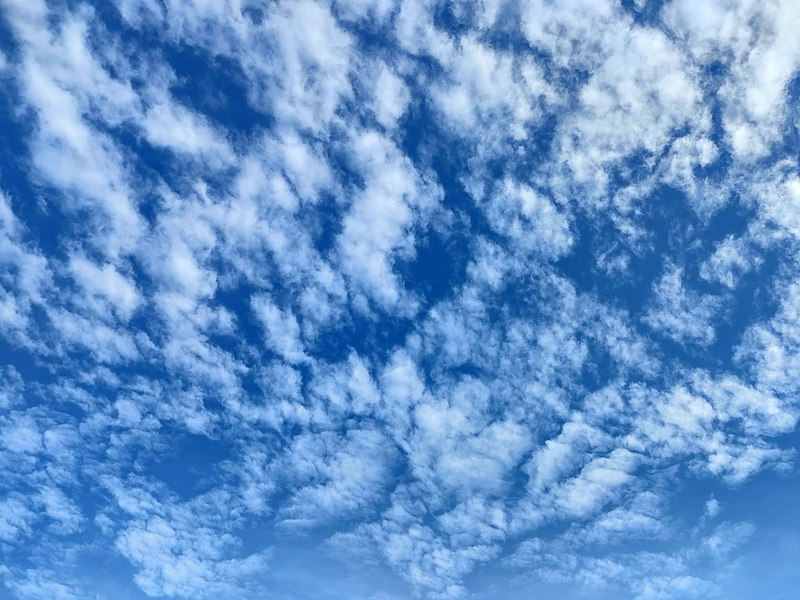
426 299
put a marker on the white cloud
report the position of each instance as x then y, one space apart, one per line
377 10
336 478
489 87
731 259
183 563
183 549
629 109
106 284
459 448
15 519
21 435
535 397
380 223
530 220
682 586
312 66
41 584
574 35
65 514
597 482
681 314
417 34
25 275
391 97
67 152
169 125
281 328
757 41
727 537
779 197
712 507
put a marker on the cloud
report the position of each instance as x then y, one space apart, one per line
169 125
16 521
391 98
679 313
762 62
40 584
380 222
530 221
335 478
26 276
106 285
179 549
67 152
282 330
629 113
400 291
731 259
313 66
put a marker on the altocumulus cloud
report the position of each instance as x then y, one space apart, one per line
399 299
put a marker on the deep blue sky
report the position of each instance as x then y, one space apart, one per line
386 300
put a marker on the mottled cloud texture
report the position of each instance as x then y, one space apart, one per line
419 299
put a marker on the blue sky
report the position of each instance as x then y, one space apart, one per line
387 300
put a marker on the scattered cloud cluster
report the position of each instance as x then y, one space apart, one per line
487 296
